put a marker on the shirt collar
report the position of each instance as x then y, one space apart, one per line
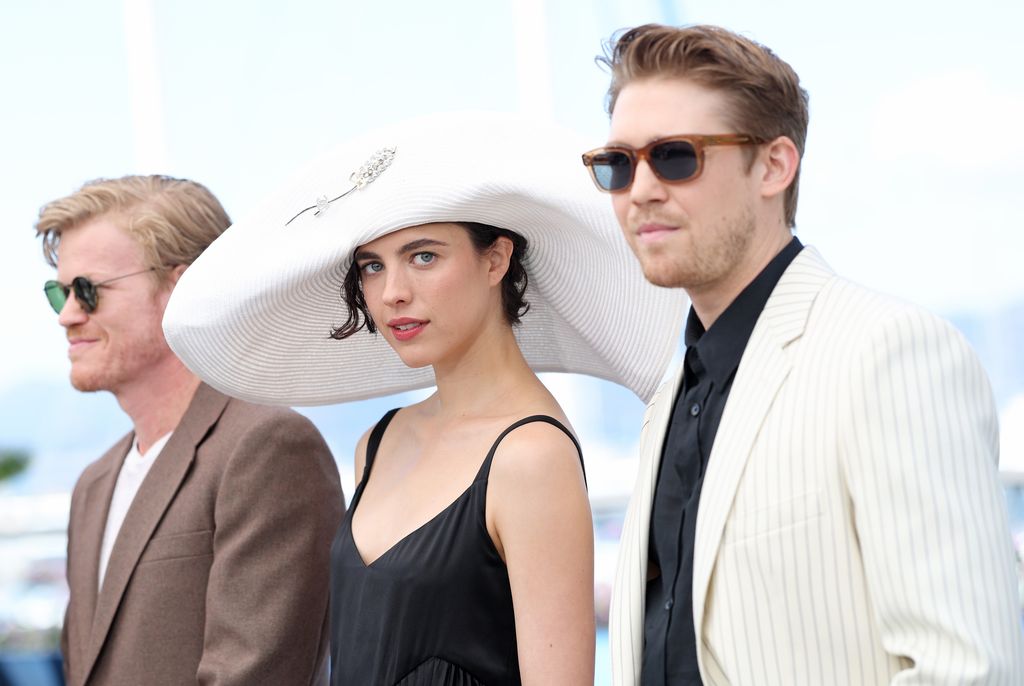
719 349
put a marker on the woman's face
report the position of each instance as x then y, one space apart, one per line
429 291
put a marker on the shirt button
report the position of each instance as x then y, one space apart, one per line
694 409
669 603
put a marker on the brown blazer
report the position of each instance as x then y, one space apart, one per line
219 574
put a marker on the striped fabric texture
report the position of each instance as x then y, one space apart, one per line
852 528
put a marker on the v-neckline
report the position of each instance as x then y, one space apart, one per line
406 537
481 474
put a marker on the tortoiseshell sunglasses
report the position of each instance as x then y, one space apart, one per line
674 159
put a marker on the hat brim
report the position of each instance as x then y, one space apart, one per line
253 315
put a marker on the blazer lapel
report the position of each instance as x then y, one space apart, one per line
627 607
761 374
154 496
90 522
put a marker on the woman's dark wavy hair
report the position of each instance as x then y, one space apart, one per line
483 236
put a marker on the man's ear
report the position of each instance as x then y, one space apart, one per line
781 161
175 274
499 255
163 292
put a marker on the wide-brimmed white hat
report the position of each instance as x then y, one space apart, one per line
253 315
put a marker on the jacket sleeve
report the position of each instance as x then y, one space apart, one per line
920 452
276 512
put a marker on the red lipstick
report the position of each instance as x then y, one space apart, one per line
406 328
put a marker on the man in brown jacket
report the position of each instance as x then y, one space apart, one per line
198 546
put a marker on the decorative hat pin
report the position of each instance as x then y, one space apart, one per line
362 177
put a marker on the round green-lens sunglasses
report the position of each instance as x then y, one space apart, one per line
85 291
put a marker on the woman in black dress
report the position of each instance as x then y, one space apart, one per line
467 553
469 251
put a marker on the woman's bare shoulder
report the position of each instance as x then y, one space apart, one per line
537 450
360 455
364 441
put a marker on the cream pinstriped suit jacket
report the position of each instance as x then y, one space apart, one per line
851 527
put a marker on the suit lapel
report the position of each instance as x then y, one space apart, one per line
762 373
627 619
90 523
154 496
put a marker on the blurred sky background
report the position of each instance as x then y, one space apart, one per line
913 178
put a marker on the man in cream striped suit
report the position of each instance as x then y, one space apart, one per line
818 499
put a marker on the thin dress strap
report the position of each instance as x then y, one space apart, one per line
485 468
374 441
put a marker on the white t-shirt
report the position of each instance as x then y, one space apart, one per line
133 471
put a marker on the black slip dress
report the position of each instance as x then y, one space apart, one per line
436 607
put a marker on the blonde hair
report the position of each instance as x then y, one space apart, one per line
763 91
172 220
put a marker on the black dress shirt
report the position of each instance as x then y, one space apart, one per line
712 357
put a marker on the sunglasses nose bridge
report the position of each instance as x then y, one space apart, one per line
72 311
67 310
646 182
643 156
